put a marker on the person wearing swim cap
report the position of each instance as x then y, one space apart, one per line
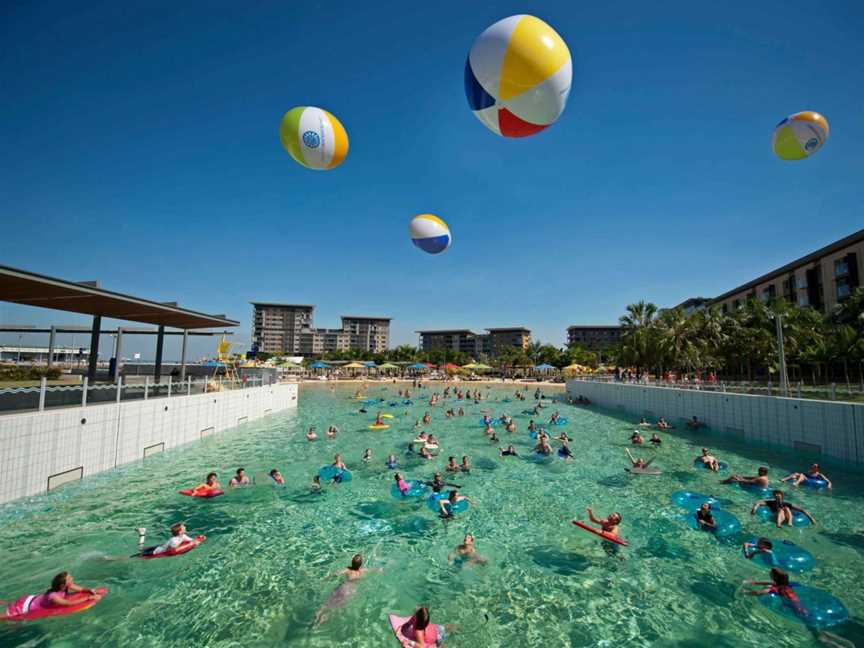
466 553
239 479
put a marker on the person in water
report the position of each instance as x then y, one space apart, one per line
210 484
367 455
779 585
452 466
694 423
643 422
509 452
609 525
655 440
276 476
781 509
662 424
543 446
178 538
239 479
814 472
465 466
565 452
391 461
636 438
311 435
709 461
439 484
420 632
532 426
705 519
493 437
760 480
401 484
446 504
761 546
424 453
378 420
427 418
638 462
58 595
353 573
332 431
460 411
466 553
316 485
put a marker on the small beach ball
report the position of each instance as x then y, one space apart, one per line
430 233
313 137
518 76
799 135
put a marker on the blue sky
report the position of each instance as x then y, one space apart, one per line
139 146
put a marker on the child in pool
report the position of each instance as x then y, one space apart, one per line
779 585
753 549
452 466
466 553
814 472
178 537
466 464
353 573
367 455
239 479
445 504
705 519
62 586
401 484
391 461
210 484
276 476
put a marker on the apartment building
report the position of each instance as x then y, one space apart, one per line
276 328
502 338
593 337
475 344
368 333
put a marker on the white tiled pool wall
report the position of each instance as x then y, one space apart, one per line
834 429
37 445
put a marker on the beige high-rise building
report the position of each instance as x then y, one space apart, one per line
276 328
367 333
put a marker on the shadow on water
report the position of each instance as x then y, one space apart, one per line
484 463
22 634
561 562
853 540
684 476
381 510
415 526
713 590
658 547
615 481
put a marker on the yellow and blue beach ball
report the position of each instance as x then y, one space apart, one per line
800 135
314 137
430 233
518 76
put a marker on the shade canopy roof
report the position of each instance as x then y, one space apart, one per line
23 287
319 365
354 365
545 366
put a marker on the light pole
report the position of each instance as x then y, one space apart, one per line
20 337
784 379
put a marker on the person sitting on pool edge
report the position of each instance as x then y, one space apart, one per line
239 479
709 461
705 519
466 553
782 509
761 546
760 480
814 472
509 452
446 504
276 476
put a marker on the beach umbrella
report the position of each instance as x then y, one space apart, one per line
354 365
482 367
370 364
418 365
470 365
450 365
544 367
319 365
388 365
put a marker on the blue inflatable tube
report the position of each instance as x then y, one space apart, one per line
372 401
531 412
392 465
701 465
393 404
815 482
784 554
727 524
416 489
817 608
432 504
561 421
759 491
492 422
692 501
328 473
798 518
407 402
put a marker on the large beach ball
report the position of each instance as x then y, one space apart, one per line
430 233
518 76
314 137
800 135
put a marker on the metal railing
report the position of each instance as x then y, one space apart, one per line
800 389
44 396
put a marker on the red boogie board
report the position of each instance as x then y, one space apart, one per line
15 612
601 533
195 492
183 548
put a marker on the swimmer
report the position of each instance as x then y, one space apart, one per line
178 537
636 438
638 462
655 440
438 484
662 424
487 421
643 422
421 438
565 452
410 451
239 479
424 453
62 587
353 573
511 426
465 466
761 546
431 442
694 423
391 461
782 509
563 437
814 472
311 435
210 483
705 519
276 476
489 431
760 480
331 432
509 452
779 585
709 460
532 426
610 524
427 418
493 437
554 418
416 424
446 504
315 487
378 420
461 412
466 553
451 466
401 484
367 455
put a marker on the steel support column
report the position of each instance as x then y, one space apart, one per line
160 343
94 348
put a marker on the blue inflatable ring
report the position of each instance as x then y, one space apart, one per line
328 473
785 554
561 421
701 465
433 499
759 491
798 518
692 501
818 609
493 422
416 489
815 482
727 524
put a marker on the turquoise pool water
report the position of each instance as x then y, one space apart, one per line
267 565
